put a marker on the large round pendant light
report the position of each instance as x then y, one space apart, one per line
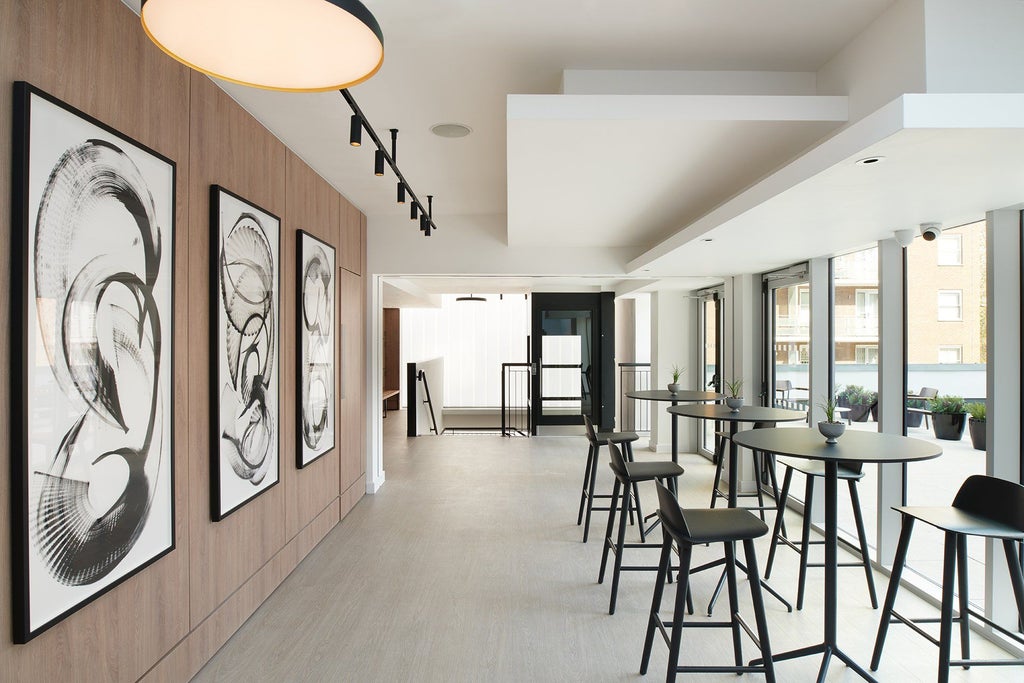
292 45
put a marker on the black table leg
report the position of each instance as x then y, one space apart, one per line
829 647
675 435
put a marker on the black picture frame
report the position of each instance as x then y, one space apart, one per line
87 196
316 307
244 381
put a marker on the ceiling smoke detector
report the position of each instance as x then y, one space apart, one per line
451 130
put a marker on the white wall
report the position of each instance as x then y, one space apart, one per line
672 338
474 338
974 46
884 61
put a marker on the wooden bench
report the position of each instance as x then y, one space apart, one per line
388 393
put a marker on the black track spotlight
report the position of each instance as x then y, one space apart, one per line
355 131
424 222
413 211
394 144
378 163
401 192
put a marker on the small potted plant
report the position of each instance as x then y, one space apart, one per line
735 397
949 417
677 371
976 425
830 428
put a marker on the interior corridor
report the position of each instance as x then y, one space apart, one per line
467 566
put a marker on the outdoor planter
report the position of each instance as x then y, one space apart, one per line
914 419
949 426
859 413
977 429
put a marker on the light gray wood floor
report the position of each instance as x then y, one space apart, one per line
467 566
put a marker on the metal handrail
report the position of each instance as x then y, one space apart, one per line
422 377
507 428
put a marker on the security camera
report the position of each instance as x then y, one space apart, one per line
929 231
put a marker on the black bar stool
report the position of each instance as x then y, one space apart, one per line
687 528
984 506
587 495
762 462
851 472
627 476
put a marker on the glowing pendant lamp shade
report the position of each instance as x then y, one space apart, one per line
294 45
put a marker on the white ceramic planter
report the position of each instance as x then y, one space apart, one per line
831 430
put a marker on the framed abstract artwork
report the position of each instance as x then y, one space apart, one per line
245 248
315 307
92 412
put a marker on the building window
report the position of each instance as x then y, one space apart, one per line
951 354
950 308
867 355
950 250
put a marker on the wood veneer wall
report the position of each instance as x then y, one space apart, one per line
167 621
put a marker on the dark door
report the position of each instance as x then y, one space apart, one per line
573 352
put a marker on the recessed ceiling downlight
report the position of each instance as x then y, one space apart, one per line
451 130
869 161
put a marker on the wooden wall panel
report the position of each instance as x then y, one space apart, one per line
313 206
167 621
145 95
231 149
353 367
351 241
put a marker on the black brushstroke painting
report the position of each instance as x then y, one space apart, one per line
93 475
246 280
316 367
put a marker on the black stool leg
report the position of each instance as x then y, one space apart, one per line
1016 575
617 569
627 447
759 614
783 498
946 611
770 464
734 599
608 530
682 589
590 493
894 584
586 480
965 624
805 543
863 540
659 588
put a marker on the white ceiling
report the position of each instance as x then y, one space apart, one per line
659 188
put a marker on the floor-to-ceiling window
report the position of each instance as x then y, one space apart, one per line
946 356
788 342
855 363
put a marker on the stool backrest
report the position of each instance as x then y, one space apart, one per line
671 516
617 463
591 433
997 499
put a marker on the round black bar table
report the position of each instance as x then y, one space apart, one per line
676 399
870 447
748 414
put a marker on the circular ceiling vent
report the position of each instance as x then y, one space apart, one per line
451 130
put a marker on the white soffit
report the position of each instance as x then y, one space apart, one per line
628 170
948 158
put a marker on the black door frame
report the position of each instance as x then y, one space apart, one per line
602 381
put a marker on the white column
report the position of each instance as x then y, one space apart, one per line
671 339
818 372
374 377
1003 388
892 391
